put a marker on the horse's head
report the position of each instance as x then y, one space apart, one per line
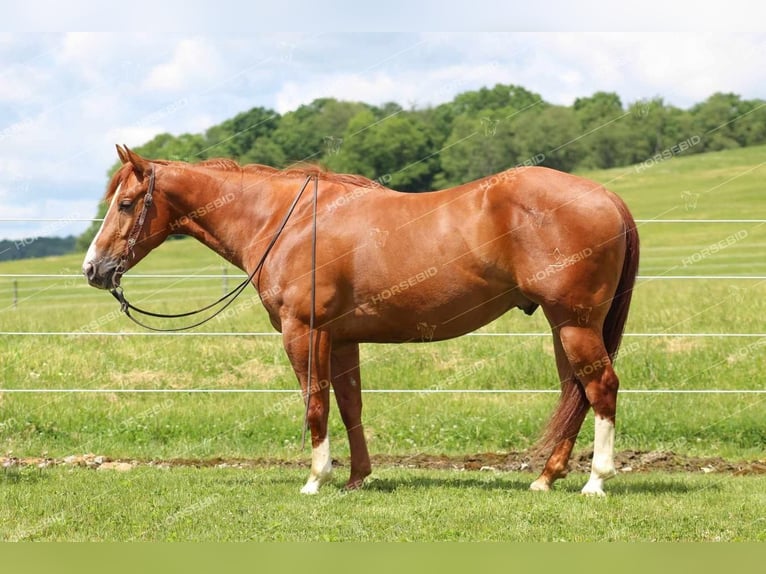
134 224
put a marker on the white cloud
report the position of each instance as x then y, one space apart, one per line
695 66
130 135
194 61
19 84
406 87
372 89
86 54
682 68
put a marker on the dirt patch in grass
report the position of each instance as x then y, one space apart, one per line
626 461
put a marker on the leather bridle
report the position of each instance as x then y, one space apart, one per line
138 225
227 299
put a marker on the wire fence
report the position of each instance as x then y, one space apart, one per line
226 276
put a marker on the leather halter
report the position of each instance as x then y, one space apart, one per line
137 226
227 299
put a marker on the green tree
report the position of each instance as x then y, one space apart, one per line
499 97
315 131
753 126
484 138
726 121
479 146
264 151
604 132
549 138
236 137
398 146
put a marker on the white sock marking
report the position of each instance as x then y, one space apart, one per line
602 467
321 467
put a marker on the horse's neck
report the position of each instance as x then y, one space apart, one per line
232 214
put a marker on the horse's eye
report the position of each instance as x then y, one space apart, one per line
126 204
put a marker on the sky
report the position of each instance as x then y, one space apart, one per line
66 99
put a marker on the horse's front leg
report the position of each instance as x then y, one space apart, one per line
347 384
296 341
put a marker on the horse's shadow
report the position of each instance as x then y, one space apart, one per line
414 479
418 482
643 484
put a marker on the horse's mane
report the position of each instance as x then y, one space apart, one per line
299 170
229 165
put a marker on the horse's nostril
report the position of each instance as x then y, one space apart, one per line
89 270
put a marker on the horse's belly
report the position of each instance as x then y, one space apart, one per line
433 319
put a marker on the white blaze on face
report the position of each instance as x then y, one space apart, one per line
602 467
91 255
321 467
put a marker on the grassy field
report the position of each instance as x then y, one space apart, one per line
62 502
398 505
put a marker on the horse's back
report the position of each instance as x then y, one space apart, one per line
460 257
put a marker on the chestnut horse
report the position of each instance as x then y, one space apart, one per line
395 267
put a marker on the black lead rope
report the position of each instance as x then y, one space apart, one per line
126 307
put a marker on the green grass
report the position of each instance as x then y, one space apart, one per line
397 505
406 503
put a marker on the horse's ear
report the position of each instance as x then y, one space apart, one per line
141 166
122 154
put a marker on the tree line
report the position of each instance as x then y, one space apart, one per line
11 249
476 134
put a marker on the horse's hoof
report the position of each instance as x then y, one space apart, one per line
314 483
310 487
593 493
355 484
592 489
540 485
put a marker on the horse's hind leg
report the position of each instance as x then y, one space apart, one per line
565 423
584 347
347 385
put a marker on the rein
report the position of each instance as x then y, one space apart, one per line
312 313
227 299
126 307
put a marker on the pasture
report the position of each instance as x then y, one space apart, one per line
208 461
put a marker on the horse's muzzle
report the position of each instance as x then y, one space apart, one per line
102 274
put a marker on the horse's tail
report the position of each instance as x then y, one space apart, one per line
573 404
614 325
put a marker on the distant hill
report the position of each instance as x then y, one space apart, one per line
11 249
